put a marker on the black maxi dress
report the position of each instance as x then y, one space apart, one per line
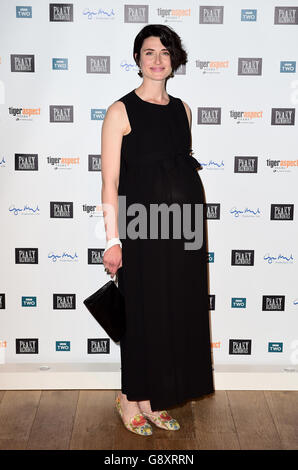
166 350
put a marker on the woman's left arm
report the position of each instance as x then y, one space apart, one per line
189 116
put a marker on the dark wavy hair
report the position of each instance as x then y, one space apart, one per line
169 38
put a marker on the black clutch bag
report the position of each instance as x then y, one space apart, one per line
107 307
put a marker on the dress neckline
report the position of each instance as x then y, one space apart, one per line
153 104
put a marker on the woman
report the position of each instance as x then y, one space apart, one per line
146 158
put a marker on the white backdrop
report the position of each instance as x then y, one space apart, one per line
240 61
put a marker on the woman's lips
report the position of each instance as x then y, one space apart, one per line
157 69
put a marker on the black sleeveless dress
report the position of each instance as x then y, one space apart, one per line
166 350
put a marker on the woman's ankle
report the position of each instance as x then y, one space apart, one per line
123 398
145 405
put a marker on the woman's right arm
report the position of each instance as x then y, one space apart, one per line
112 131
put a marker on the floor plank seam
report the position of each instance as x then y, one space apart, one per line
73 421
231 411
33 421
276 427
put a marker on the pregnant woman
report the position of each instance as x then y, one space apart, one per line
146 158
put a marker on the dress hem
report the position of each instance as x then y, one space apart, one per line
172 404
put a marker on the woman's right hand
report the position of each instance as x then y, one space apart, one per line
112 259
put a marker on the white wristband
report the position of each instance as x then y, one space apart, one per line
112 242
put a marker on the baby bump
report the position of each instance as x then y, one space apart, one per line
186 184
165 182
172 194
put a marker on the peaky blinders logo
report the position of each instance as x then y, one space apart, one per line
212 211
181 70
282 212
61 113
22 63
26 161
240 346
211 301
98 64
286 15
2 301
209 116
242 258
64 301
249 66
26 345
95 255
94 162
98 345
61 11
211 14
282 116
273 303
61 210
246 165
26 255
136 13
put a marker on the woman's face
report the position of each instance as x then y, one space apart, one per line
155 59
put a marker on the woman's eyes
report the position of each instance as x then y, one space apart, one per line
165 52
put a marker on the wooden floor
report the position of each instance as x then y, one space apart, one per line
87 419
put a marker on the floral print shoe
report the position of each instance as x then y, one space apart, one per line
163 420
137 424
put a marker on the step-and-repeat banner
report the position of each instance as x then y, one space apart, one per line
61 66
